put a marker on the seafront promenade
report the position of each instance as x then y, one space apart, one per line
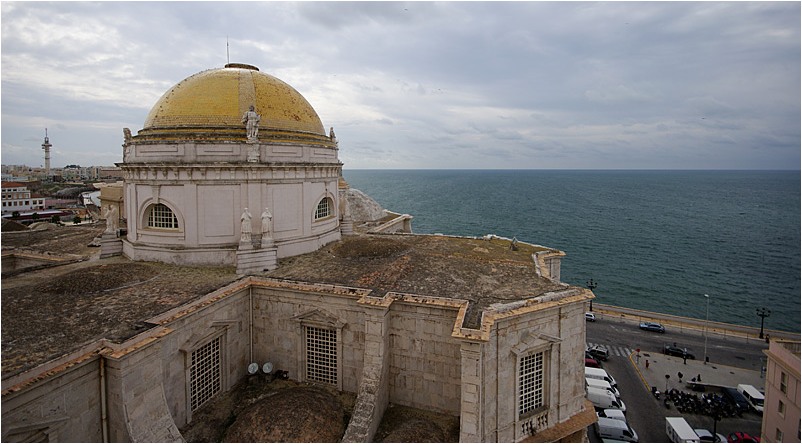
689 325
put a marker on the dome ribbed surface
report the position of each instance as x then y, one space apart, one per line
213 101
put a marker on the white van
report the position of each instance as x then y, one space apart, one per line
602 399
602 384
608 428
598 373
678 430
612 413
753 396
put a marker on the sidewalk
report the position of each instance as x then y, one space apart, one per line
661 365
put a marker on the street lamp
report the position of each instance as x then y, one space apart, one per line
592 286
707 318
763 313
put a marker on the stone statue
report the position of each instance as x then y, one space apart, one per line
126 146
267 222
112 220
251 121
332 136
245 226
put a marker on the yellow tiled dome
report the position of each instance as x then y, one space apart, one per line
209 106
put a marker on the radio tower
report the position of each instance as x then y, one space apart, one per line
46 146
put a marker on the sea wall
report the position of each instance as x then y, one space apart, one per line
688 325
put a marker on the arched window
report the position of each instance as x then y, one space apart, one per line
162 217
323 208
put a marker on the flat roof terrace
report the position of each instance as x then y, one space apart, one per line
50 312
481 271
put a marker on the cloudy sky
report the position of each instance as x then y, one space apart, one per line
428 85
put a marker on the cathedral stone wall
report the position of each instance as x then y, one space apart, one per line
559 332
280 316
227 319
401 349
66 407
425 358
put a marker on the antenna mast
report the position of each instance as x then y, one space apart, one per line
228 60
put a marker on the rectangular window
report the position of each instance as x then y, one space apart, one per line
779 436
784 382
204 374
530 383
321 355
781 408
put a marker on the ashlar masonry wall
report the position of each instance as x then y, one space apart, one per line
57 409
224 314
557 329
281 311
425 358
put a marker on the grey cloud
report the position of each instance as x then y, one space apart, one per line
553 81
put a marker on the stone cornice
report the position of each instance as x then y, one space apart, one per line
242 171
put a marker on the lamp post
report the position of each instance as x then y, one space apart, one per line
763 313
592 286
707 318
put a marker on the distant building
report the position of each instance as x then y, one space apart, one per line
17 197
781 406
232 171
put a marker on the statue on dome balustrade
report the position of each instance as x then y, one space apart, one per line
332 136
251 120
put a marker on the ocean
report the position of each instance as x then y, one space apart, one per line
651 240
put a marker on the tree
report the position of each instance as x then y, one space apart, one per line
35 216
76 220
55 219
15 214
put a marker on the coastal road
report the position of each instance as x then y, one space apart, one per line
645 414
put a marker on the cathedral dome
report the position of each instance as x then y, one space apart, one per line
209 105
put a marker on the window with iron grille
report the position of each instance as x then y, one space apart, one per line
161 216
321 355
530 382
204 373
323 208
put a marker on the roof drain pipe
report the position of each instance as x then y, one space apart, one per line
104 417
250 324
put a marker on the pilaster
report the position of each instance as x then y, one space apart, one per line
471 418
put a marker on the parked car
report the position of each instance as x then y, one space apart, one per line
741 437
672 350
599 352
736 398
592 362
705 436
652 326
590 317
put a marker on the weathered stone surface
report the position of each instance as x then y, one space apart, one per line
304 414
